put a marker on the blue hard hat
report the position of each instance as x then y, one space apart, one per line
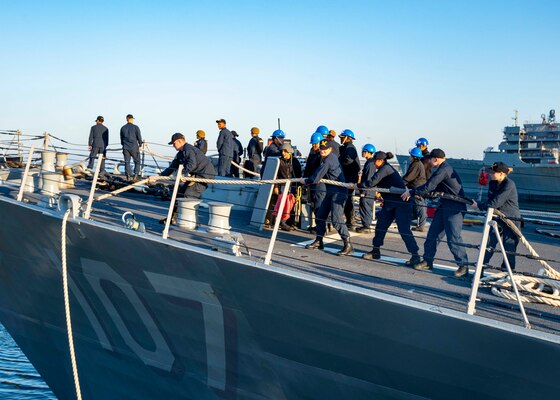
415 152
349 133
370 148
316 138
322 129
422 142
279 133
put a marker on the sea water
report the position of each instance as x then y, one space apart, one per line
18 378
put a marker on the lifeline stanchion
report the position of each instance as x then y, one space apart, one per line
25 173
93 184
172 203
478 271
277 223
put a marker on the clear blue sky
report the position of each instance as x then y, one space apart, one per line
452 71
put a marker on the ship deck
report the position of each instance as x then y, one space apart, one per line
388 275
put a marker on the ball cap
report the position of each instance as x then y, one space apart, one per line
437 153
499 167
175 137
234 133
100 118
380 155
220 120
130 116
324 145
288 147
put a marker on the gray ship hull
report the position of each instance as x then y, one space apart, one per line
161 319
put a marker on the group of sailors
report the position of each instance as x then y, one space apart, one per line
330 203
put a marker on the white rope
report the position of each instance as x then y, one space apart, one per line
146 150
538 289
67 305
245 169
549 271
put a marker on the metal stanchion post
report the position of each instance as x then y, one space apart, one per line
93 185
25 173
172 204
479 262
277 223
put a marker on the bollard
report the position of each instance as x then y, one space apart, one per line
61 160
186 213
219 217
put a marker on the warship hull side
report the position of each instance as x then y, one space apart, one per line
162 319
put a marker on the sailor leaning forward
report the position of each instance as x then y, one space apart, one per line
194 163
334 200
394 208
502 195
448 218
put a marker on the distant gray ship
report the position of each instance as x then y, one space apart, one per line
533 153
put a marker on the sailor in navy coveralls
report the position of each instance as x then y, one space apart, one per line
394 208
502 195
448 218
334 200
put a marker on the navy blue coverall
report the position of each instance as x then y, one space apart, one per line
335 196
225 152
194 163
131 140
394 208
367 197
98 140
448 218
503 197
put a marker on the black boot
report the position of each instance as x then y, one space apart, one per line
347 249
463 270
374 254
415 259
424 265
284 226
316 244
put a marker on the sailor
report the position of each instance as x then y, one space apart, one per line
131 140
317 192
331 136
367 197
350 163
201 142
194 163
422 144
416 176
273 149
98 142
224 145
237 154
288 168
448 218
502 195
254 150
334 199
394 208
